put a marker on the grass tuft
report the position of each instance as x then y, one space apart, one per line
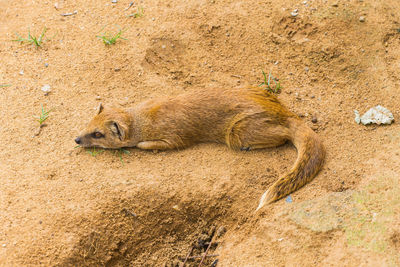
37 41
268 83
93 152
120 152
43 116
109 39
138 13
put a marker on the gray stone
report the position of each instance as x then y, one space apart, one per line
325 213
314 119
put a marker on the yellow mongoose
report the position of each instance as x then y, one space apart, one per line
243 119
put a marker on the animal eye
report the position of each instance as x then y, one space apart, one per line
97 135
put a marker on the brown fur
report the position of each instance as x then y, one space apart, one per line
248 118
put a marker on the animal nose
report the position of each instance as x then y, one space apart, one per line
78 140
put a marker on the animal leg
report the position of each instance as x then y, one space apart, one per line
155 145
249 133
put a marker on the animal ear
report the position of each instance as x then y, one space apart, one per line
119 130
100 109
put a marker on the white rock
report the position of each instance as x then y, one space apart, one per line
46 89
378 115
357 118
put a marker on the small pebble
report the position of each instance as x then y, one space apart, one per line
46 64
98 97
114 1
21 72
335 4
117 69
153 19
306 69
294 13
46 89
362 19
163 46
4 245
314 119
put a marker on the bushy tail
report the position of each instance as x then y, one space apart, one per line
310 158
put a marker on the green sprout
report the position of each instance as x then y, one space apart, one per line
94 152
267 83
37 41
5 85
109 39
43 116
120 152
138 14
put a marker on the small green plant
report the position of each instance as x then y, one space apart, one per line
138 13
43 116
267 83
37 41
93 152
120 152
5 85
109 39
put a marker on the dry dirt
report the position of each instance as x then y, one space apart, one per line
62 206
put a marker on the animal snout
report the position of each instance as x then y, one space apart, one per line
78 140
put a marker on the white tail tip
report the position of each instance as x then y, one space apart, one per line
262 200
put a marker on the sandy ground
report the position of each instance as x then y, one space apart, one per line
65 206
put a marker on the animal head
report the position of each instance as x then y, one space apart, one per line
110 128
